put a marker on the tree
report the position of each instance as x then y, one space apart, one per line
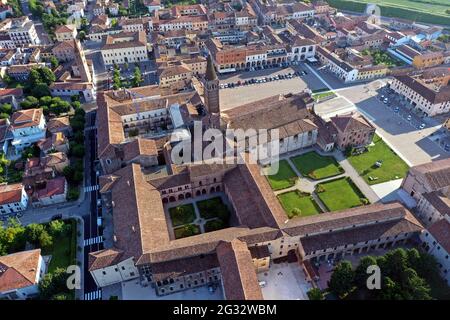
77 150
53 283
6 108
38 235
137 77
68 173
40 90
396 263
57 228
315 294
341 281
54 62
361 270
47 75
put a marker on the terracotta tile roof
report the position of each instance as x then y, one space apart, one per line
139 220
435 173
343 219
138 39
58 124
352 122
182 267
139 146
19 270
53 187
425 91
104 258
238 272
441 232
64 29
356 235
440 200
10 193
26 118
269 113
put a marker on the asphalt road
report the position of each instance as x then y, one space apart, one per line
91 229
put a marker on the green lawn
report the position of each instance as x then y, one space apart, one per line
322 95
285 177
428 11
182 214
212 208
303 201
186 231
340 194
393 167
315 166
63 250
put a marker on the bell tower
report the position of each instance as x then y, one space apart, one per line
211 88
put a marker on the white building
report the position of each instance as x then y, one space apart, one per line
27 127
436 241
22 31
428 98
13 198
115 272
20 274
125 47
341 69
302 49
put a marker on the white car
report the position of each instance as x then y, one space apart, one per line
422 126
409 118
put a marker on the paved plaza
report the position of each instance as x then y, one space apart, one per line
284 281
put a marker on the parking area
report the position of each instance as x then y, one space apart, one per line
284 281
414 145
259 84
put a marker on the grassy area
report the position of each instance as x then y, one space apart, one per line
298 204
212 208
214 224
64 249
285 177
186 231
315 166
382 58
393 167
340 194
428 11
321 95
182 214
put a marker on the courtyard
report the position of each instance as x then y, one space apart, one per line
315 166
298 204
191 217
392 166
340 194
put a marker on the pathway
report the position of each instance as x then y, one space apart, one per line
306 184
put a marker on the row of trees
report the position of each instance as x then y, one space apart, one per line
134 82
74 173
405 275
50 105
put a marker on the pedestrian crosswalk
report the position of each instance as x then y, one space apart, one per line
94 295
91 188
90 128
90 241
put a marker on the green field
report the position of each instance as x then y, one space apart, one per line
315 166
285 177
393 167
186 231
340 194
428 11
302 201
63 249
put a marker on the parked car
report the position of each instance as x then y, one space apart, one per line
396 109
422 126
57 217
